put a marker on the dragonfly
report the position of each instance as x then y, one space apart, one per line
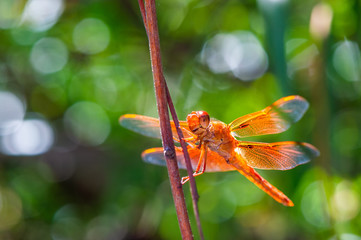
213 146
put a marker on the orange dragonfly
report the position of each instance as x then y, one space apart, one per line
212 145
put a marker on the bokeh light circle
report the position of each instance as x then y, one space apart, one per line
239 53
49 55
313 205
8 13
347 61
345 202
33 137
91 36
41 15
66 224
87 123
12 112
10 209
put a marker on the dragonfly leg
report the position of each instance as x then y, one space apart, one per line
202 159
189 140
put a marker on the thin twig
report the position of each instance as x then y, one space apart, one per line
142 11
165 128
192 182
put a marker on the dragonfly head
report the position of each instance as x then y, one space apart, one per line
198 122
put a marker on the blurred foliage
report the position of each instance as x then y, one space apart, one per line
69 69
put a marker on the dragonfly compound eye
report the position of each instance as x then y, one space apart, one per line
203 119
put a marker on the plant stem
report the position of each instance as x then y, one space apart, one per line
192 181
165 128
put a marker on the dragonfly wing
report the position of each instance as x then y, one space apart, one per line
215 163
275 118
278 155
149 126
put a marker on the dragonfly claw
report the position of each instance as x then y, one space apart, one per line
184 180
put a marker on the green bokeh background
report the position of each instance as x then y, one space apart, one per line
88 63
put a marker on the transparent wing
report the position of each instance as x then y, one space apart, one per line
215 163
149 126
275 118
278 155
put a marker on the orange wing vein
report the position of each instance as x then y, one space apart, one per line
278 155
275 118
149 126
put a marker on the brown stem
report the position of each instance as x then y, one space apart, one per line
166 131
142 11
193 186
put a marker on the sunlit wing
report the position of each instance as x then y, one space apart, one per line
149 126
278 155
215 163
275 118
